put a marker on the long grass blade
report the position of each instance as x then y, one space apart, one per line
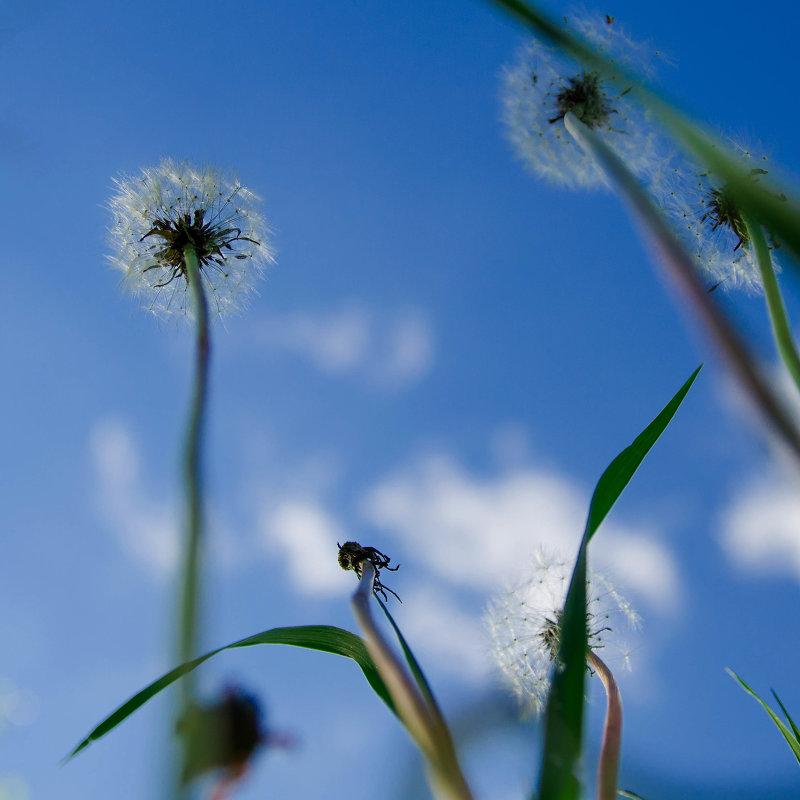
325 638
558 778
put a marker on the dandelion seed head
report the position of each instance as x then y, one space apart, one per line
524 625
543 84
164 208
706 217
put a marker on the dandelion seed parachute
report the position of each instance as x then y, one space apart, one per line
166 207
523 624
543 83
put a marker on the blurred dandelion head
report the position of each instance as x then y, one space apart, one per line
524 624
711 225
544 84
158 213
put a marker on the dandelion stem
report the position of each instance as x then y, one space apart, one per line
781 329
683 271
193 474
428 730
608 765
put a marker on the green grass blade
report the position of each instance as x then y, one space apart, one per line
771 204
564 715
413 664
631 795
795 731
791 740
618 474
325 638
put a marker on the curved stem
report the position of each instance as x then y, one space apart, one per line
192 469
608 765
781 329
683 271
431 735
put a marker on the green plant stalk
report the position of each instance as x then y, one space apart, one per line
608 764
428 730
192 475
781 329
684 273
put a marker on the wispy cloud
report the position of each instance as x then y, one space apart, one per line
145 529
388 350
475 530
760 529
304 536
451 638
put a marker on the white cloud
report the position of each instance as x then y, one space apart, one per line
475 531
388 350
760 529
437 628
146 530
305 536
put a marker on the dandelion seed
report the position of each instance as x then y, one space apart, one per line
165 208
708 220
544 84
524 624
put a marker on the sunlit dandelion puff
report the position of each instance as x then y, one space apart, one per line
709 222
159 212
524 626
544 84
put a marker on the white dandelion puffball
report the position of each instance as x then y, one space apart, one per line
543 84
708 221
524 625
163 209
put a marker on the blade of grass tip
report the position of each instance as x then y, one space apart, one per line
774 206
564 714
631 795
682 269
324 638
795 731
787 734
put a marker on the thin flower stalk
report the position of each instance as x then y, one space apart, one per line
684 273
192 467
608 764
781 329
423 724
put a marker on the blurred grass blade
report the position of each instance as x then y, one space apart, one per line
769 202
789 735
564 715
631 795
325 638
795 731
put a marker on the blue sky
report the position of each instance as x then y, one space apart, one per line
446 355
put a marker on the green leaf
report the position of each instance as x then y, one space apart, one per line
789 735
326 638
564 715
